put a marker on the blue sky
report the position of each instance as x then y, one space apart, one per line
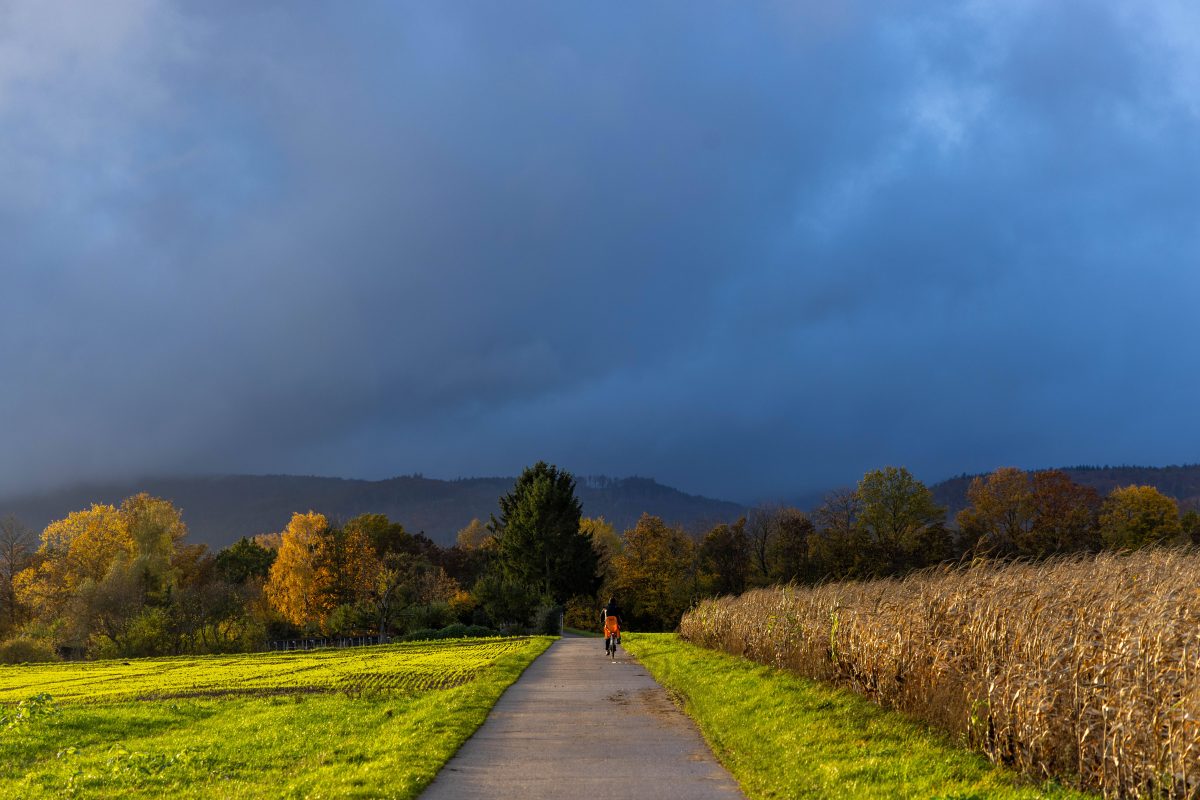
751 250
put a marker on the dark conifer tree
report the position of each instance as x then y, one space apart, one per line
538 540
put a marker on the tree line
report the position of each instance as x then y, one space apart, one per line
888 525
124 581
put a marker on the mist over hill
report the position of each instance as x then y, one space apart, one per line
221 509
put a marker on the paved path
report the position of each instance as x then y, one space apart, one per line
578 726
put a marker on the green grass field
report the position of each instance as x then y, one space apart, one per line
369 722
783 736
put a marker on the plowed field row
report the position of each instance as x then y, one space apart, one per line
412 667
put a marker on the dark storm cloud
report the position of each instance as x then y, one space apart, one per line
748 251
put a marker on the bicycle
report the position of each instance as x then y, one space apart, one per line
610 646
612 637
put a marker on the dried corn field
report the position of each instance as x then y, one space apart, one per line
1086 669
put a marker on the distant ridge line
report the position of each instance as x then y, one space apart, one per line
219 509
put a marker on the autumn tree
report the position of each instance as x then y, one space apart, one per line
392 571
1064 515
1013 513
87 543
655 582
346 560
1000 517
156 527
215 597
760 529
605 541
900 520
294 585
788 552
1190 522
473 535
102 570
838 549
268 541
1136 516
779 544
16 554
539 543
389 590
76 554
383 534
724 559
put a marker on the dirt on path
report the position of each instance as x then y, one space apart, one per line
575 725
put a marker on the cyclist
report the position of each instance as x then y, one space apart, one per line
611 618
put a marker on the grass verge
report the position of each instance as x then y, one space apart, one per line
299 743
782 735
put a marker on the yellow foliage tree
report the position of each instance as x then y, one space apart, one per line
156 527
88 542
80 549
1135 516
474 535
294 585
269 541
97 567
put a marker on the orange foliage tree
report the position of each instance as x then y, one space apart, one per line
320 568
294 585
1013 513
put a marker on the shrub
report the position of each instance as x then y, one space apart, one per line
479 630
463 605
549 619
434 615
420 635
506 602
455 631
23 650
582 613
148 634
345 620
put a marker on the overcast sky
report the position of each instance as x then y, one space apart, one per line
748 249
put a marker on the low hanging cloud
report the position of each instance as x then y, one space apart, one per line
750 251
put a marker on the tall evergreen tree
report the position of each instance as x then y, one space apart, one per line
539 543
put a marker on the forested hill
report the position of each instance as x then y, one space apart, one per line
1180 482
219 510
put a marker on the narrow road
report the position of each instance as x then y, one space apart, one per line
578 726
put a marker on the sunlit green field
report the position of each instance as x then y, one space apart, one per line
369 722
